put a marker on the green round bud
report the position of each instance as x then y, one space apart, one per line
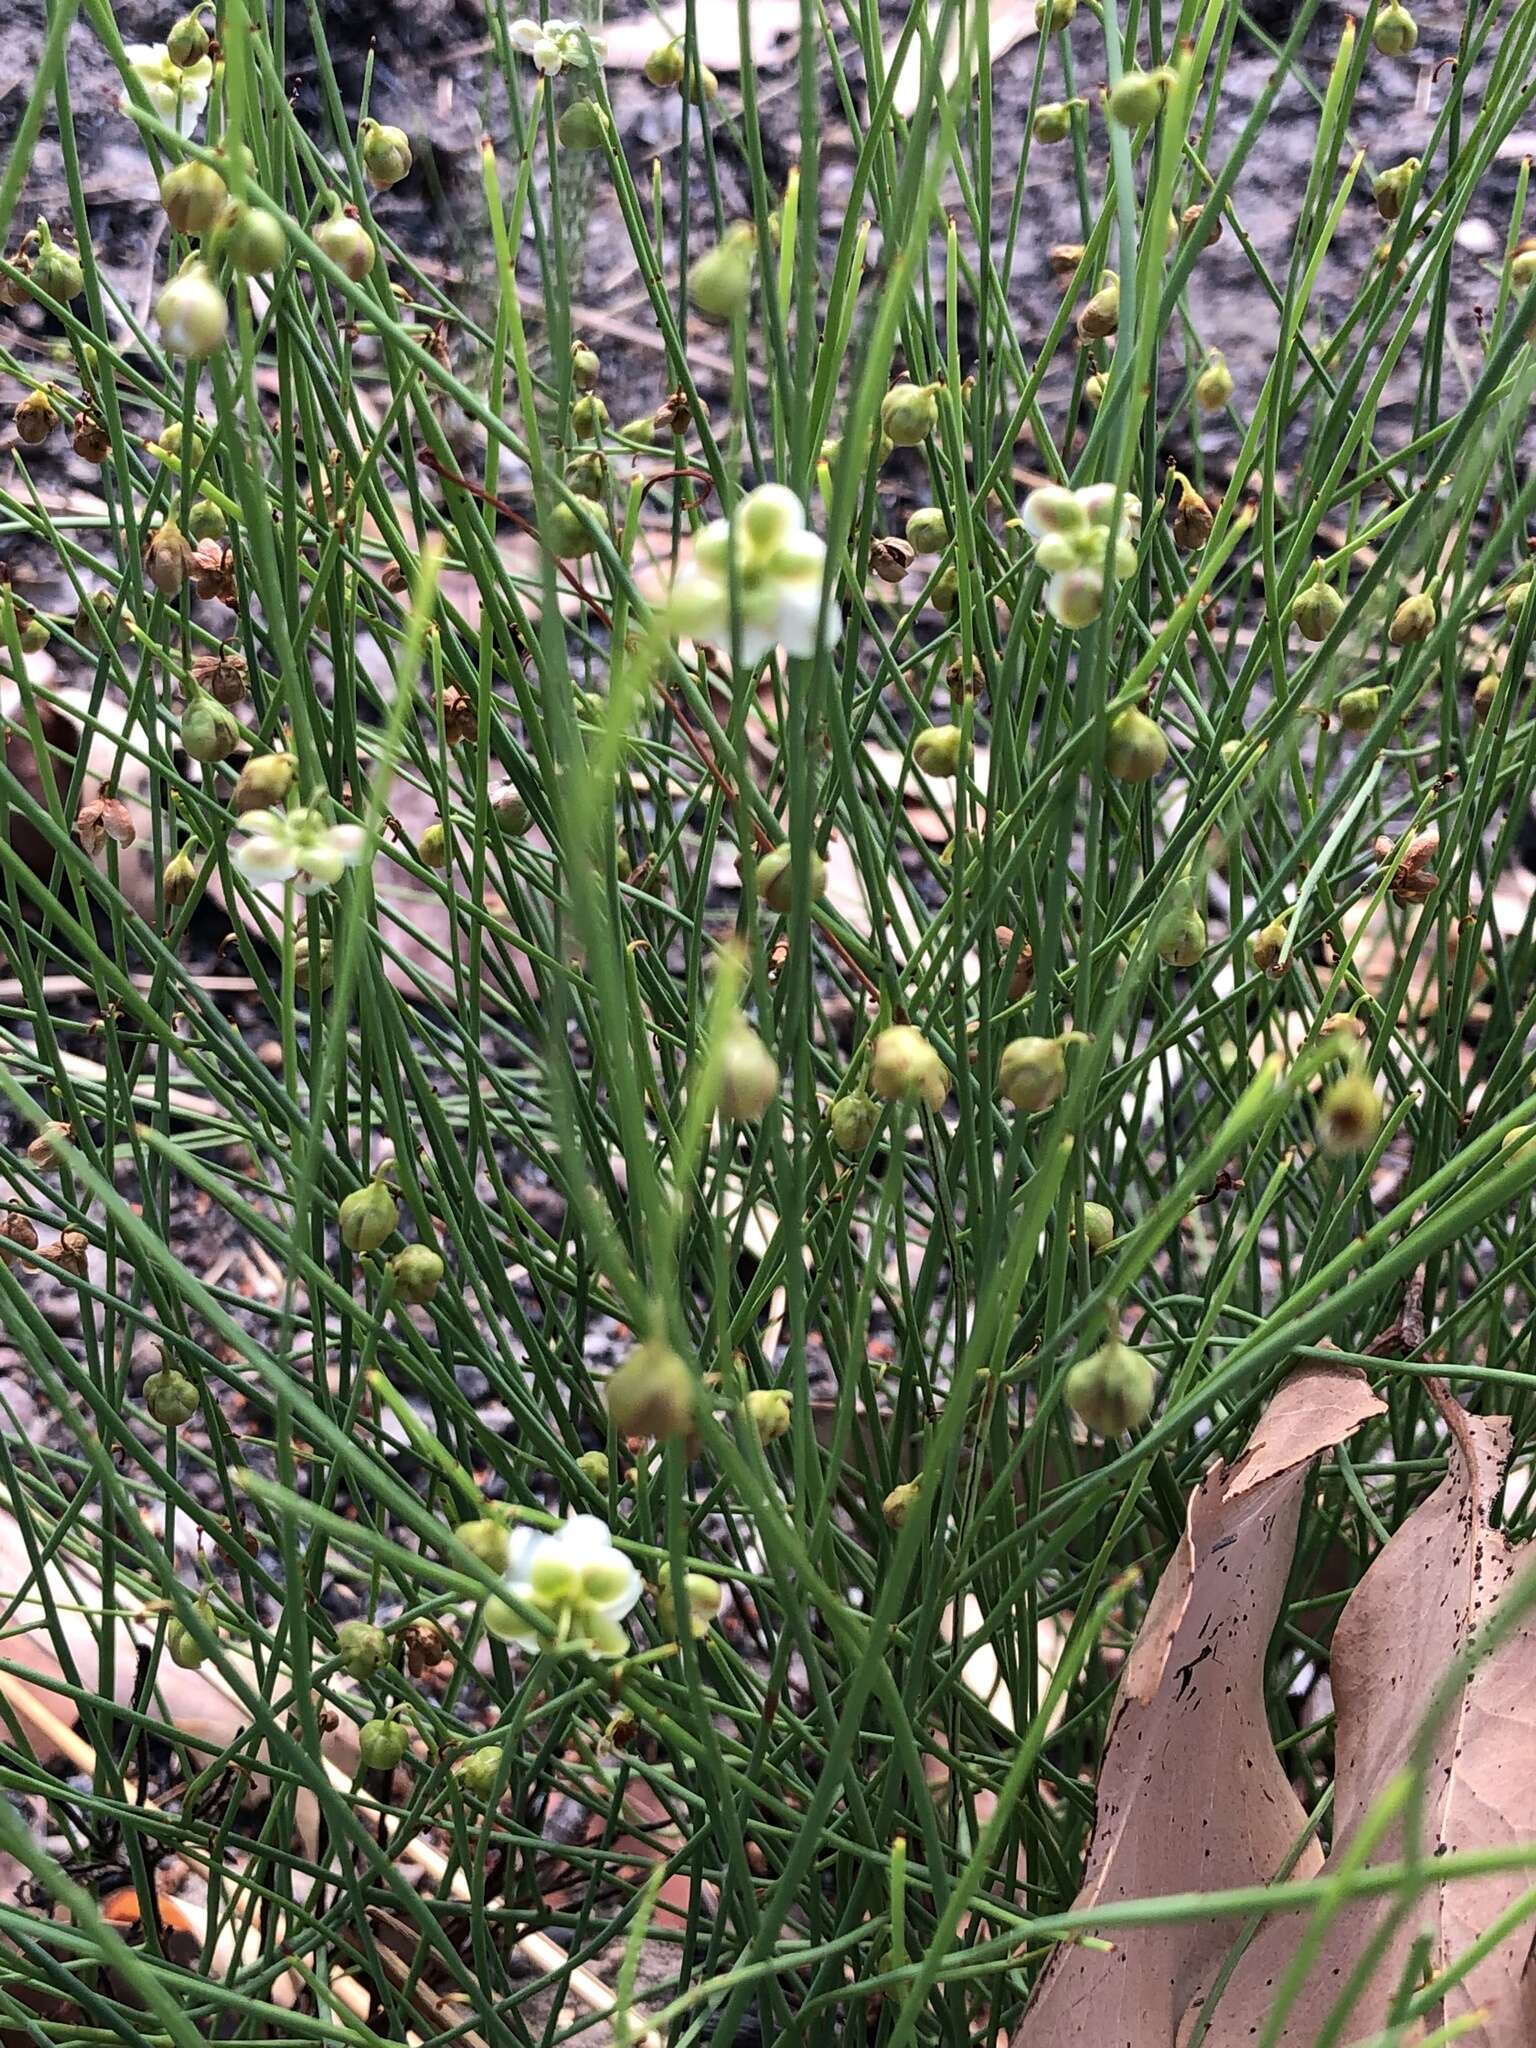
1213 386
1348 1115
570 533
510 811
586 366
909 413
264 783
1266 949
899 1503
367 1217
853 1120
382 1744
652 1393
1181 937
904 1067
251 240
593 1467
1414 620
664 66
1358 708
927 531
945 592
775 877
488 1540
939 750
1098 1227
194 196
1139 97
770 1410
386 153
589 416
186 42
1391 187
1135 748
171 1397
1099 317
1032 1072
183 1645
207 520
1112 1390
1396 32
209 732
432 847
178 879
417 1273
1316 610
583 125
1053 121
191 314
362 1649
348 244
749 1076
478 1770
57 272
1052 17
720 282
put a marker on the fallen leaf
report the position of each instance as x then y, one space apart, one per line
1192 1692
1008 22
1435 1583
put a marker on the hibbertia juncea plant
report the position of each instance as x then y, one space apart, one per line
762 840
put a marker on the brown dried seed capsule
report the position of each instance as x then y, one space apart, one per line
89 438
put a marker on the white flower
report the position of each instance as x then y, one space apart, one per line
1072 532
778 568
177 96
554 44
299 847
577 1579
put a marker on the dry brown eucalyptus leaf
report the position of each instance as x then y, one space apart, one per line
1433 1586
1193 1692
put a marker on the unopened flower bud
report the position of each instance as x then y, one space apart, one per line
775 877
927 531
362 1649
702 85
899 1503
944 595
510 811
1348 1115
583 125
1053 16
1181 936
194 196
170 1397
1414 620
1053 120
186 41
35 416
1100 316
479 1770
56 271
1391 187
264 783
938 750
1396 32
571 533
1135 748
348 244
386 153
1267 948
1357 709
1112 1390
382 1744
191 313
904 1067
1522 264
251 240
593 1467
909 413
652 1393
1213 386
1192 518
1098 1227
432 847
720 282
168 557
749 1076
183 1646
178 879
770 1410
1316 610
367 1217
852 1120
703 1598
1139 97
586 366
417 1273
1032 1072
209 732
891 559
589 416
488 1540
664 66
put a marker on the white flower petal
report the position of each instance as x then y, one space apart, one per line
622 1602
802 559
318 866
699 604
348 842
523 34
266 860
